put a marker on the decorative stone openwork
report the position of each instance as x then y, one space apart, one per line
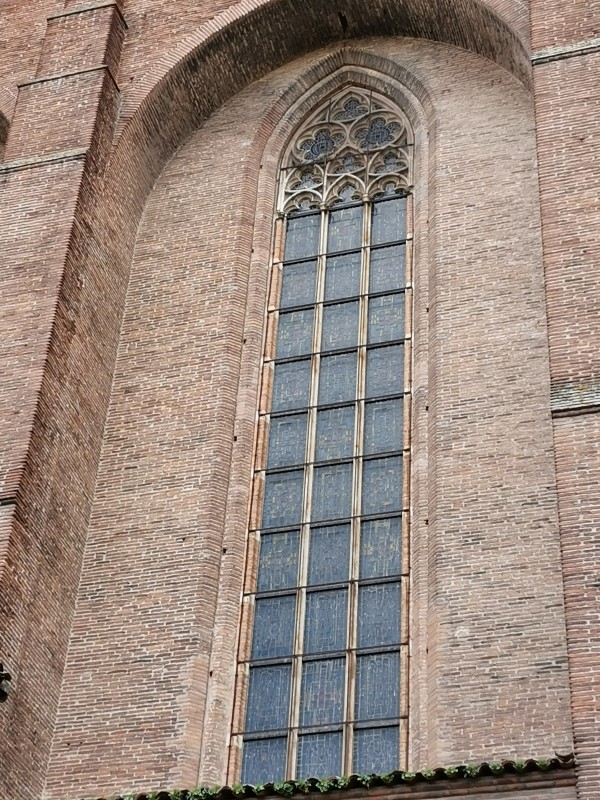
355 147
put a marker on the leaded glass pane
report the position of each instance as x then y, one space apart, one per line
342 276
388 223
337 381
332 492
322 694
294 333
325 624
386 318
283 499
335 433
329 554
383 426
382 485
340 326
278 561
319 755
386 270
263 761
287 441
378 686
376 750
268 698
345 229
302 236
385 370
299 284
291 385
380 546
273 633
379 615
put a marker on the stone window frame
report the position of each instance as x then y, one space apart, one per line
299 189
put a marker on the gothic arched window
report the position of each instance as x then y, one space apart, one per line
322 678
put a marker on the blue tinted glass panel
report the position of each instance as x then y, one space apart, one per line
345 229
268 698
278 561
329 554
287 440
299 284
386 272
291 385
377 686
325 624
332 492
283 499
337 383
302 236
386 318
335 433
273 633
342 276
294 333
382 485
380 548
388 223
322 695
263 761
383 426
319 755
385 370
379 615
340 326
376 750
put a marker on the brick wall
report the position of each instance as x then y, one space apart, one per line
167 494
68 233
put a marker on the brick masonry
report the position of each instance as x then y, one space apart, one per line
191 98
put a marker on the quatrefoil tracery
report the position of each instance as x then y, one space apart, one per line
354 147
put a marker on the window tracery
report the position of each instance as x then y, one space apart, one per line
322 678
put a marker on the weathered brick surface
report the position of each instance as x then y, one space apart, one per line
167 491
568 134
159 597
578 473
22 28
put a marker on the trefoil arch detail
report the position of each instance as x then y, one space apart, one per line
354 147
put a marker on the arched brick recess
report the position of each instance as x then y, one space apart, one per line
231 45
195 243
159 27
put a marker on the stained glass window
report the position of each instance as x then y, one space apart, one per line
321 680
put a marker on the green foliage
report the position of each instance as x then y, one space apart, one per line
325 785
472 770
284 788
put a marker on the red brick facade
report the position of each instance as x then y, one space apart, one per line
141 142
